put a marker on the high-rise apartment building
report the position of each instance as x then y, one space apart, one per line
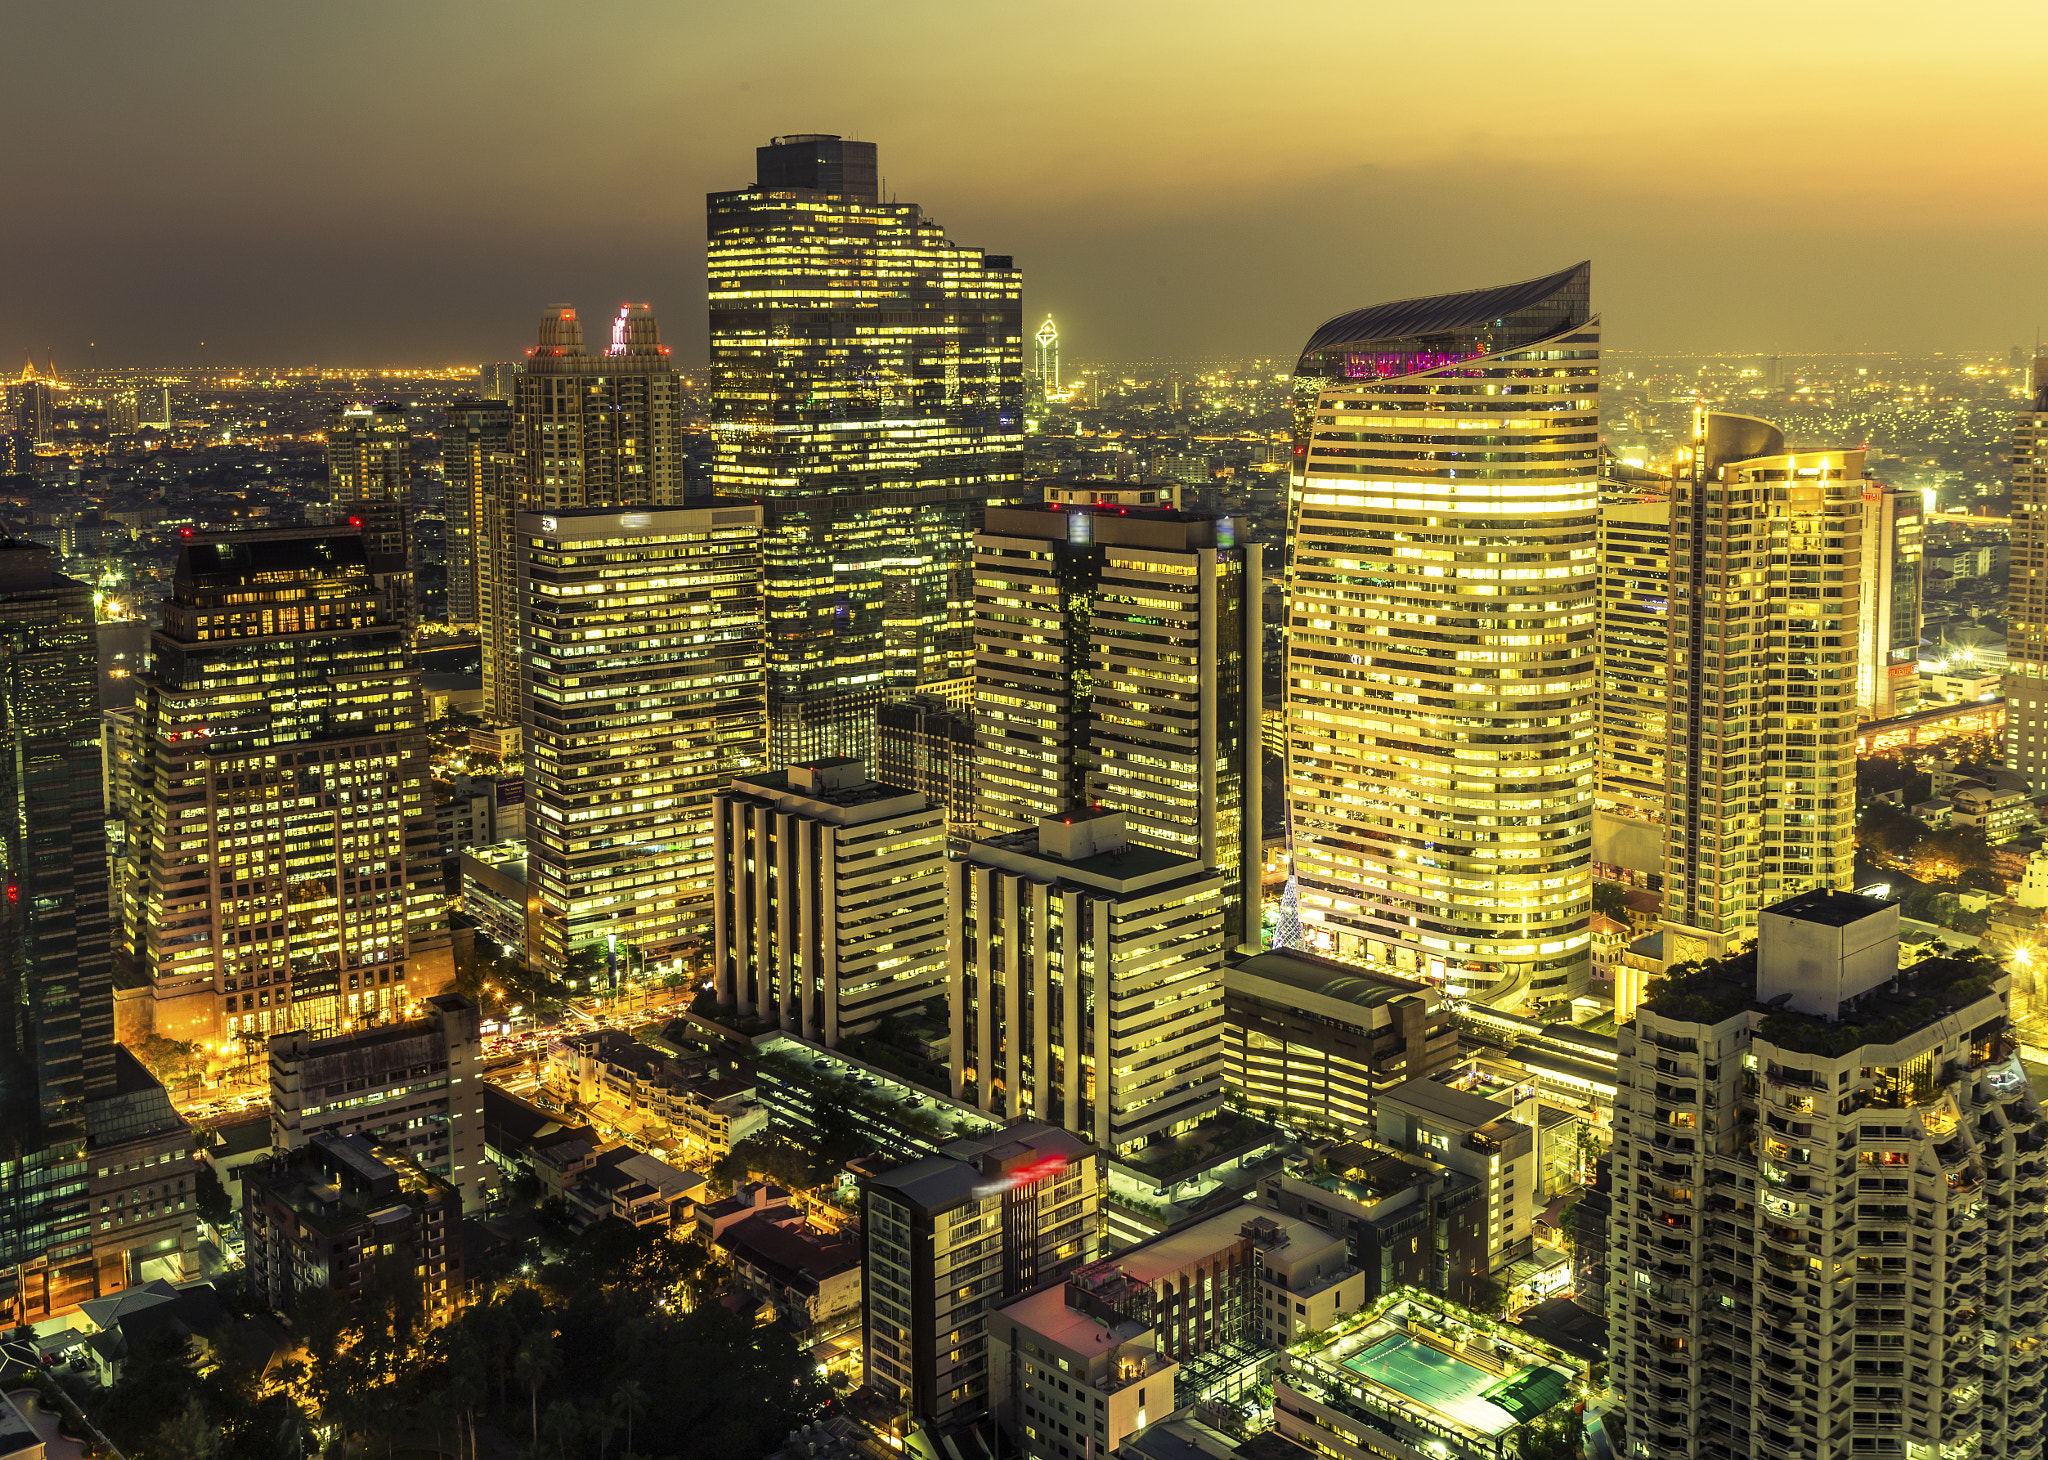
1086 981
498 380
2026 612
1441 608
1767 566
868 388
369 481
123 413
1635 598
294 874
1827 1214
951 1235
1888 629
34 409
830 899
478 468
644 700
590 431
1117 668
94 1169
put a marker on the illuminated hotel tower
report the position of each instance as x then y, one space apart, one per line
1440 636
1760 769
2026 623
868 387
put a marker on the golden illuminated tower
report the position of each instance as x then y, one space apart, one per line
1760 770
1440 637
2026 624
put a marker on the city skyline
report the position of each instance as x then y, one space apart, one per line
272 233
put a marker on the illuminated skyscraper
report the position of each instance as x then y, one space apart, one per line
1117 669
2026 621
644 700
369 481
1440 636
1048 341
868 386
477 465
601 430
294 869
1635 599
1888 644
498 381
1767 565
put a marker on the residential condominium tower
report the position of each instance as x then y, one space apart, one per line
369 478
643 672
868 388
1117 668
1888 640
294 872
1828 1202
2026 614
1767 566
1441 611
589 431
477 467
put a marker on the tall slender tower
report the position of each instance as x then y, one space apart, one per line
477 462
2026 622
1440 636
868 386
1888 642
589 430
369 478
294 870
1048 342
1767 565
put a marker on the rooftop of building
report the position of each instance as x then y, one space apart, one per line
794 1255
1828 907
338 1181
1437 1101
776 786
1472 310
1119 866
1158 1258
1047 1314
958 1173
1365 1173
1294 969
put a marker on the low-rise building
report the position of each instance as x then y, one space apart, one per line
1479 1138
1406 1221
1314 1037
328 1214
610 1071
2000 815
414 1089
754 1199
811 1277
596 1182
494 891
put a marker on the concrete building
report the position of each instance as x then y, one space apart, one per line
1391 740
811 1277
829 899
1476 1137
2001 815
294 877
494 892
1117 668
2026 622
477 464
704 1111
339 1214
413 1090
643 701
926 742
1634 547
1314 1037
1086 981
1761 771
370 487
1828 1199
951 1235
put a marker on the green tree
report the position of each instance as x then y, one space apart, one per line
1888 830
535 1364
1610 899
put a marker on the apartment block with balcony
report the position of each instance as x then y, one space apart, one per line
1830 1202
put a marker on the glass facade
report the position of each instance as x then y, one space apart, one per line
868 387
476 441
1441 630
294 874
1635 607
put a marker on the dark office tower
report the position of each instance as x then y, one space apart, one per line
369 480
294 868
868 388
56 998
498 381
1117 669
1440 636
477 463
589 430
78 1115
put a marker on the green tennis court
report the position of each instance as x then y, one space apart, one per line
1464 1392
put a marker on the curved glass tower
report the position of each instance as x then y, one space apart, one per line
1440 636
